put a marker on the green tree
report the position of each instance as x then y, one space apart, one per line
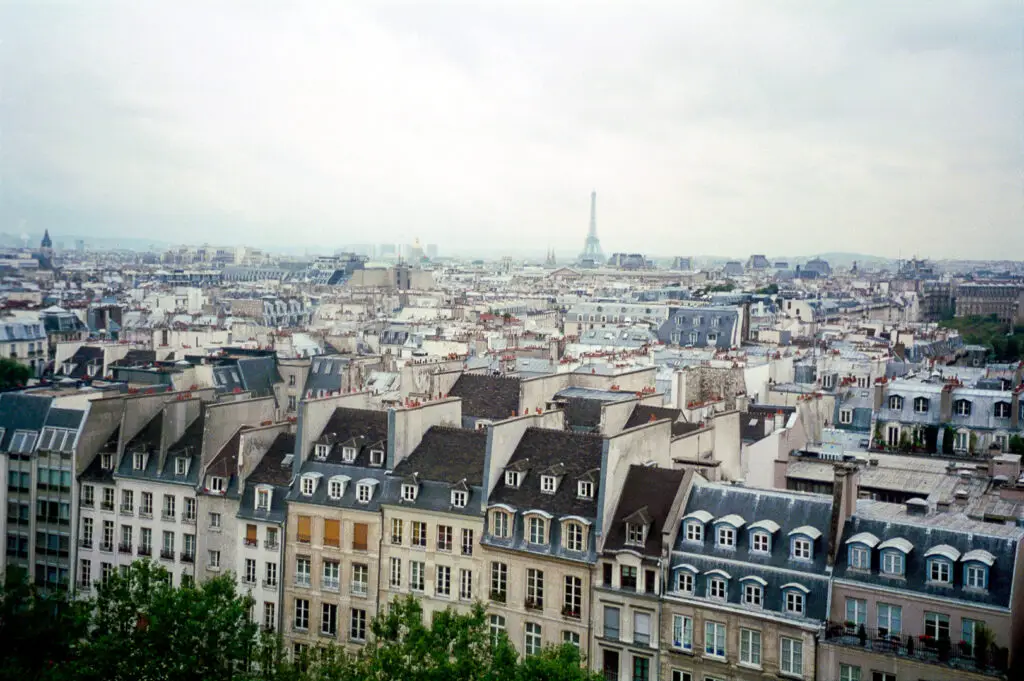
38 631
13 373
143 628
559 663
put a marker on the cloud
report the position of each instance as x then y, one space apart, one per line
726 127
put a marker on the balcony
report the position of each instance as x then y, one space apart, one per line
271 546
167 554
956 654
188 557
331 584
572 612
145 550
534 604
124 548
499 596
359 588
168 516
127 510
269 583
106 505
145 512
301 580
107 546
188 519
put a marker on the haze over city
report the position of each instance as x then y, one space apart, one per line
719 128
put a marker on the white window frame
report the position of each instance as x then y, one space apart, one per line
802 549
715 640
500 524
585 489
308 486
750 647
635 534
537 530
685 582
409 491
893 563
753 594
920 402
695 531
791 661
716 585
976 577
940 571
459 498
574 536
348 454
335 489
513 479
548 484
796 602
376 457
682 632
364 493
726 537
845 416
760 542
859 558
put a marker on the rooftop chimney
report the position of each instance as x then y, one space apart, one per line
844 503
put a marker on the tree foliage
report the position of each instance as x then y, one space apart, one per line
1003 341
13 373
140 628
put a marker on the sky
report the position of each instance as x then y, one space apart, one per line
725 127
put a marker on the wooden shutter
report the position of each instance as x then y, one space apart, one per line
304 530
359 532
332 533
250 535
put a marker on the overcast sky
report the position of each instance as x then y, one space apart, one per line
706 127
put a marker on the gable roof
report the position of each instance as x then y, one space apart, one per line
651 490
643 413
21 412
359 428
271 469
447 455
487 397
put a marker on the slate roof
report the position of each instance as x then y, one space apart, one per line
259 374
487 397
225 463
889 521
447 455
65 418
648 491
270 471
21 412
86 357
790 511
642 414
368 428
582 413
149 437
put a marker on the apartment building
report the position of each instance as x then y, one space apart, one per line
913 590
540 541
333 533
626 597
747 586
24 342
433 522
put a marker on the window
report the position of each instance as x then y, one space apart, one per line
968 630
1002 410
635 534
348 454
714 639
459 498
860 558
936 625
304 529
88 498
376 457
716 588
856 610
466 585
862 381
444 538
750 647
627 577
360 536
419 534
357 625
512 479
308 486
611 623
641 668
396 531
497 625
760 542
792 657
302 571
849 673
882 676
106 461
467 541
321 452
444 581
571 637
890 620
217 484
417 572
680 675
585 489
190 510
684 582
270 574
363 493
499 582
301 614
801 549
335 489
939 571
726 537
409 492
331 579
395 578
976 577
127 501
753 594
548 483
682 632
360 579
533 638
534 589
572 605
794 602
537 530
641 628
499 524
332 532
892 563
920 407
329 619
250 571
962 407
574 537
845 416
895 402
108 499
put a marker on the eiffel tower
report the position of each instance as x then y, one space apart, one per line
592 255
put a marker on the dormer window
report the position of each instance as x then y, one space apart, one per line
512 479
717 588
801 542
548 484
263 500
859 558
106 461
760 542
409 492
801 549
217 484
335 489
892 563
376 457
585 489
538 530
459 498
726 537
635 534
962 407
348 454
940 571
181 466
308 485
139 461
500 524
694 531
364 490
976 577
684 582
845 416
895 402
753 591
321 452
795 601
921 405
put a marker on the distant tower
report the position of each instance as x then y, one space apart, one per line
46 243
592 254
